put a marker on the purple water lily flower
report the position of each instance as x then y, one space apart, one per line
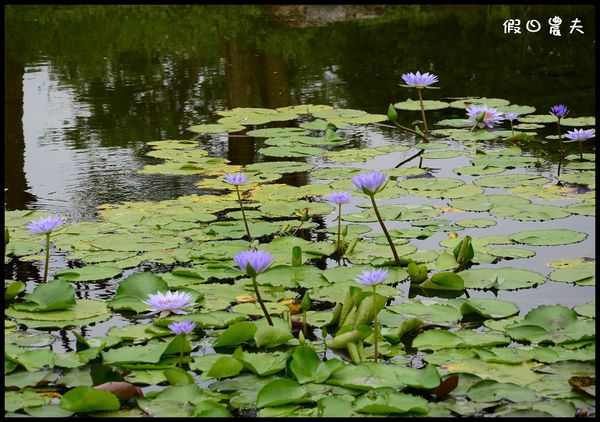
370 278
339 197
45 224
253 262
418 80
511 116
370 183
580 134
236 179
559 111
176 302
483 116
182 327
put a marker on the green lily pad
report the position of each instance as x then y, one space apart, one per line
443 281
501 278
475 222
279 167
493 391
490 102
291 151
262 364
584 275
587 310
414 105
552 323
479 170
443 339
586 178
389 402
85 399
578 121
539 118
217 128
548 237
272 132
83 312
509 181
52 296
280 392
529 212
136 288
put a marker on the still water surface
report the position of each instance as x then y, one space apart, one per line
88 86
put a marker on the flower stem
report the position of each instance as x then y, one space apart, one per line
387 235
304 323
580 150
47 256
237 190
375 328
181 351
560 145
425 138
423 112
298 228
512 130
339 242
262 305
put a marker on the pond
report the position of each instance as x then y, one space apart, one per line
126 120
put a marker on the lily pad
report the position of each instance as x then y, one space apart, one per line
549 237
414 105
501 278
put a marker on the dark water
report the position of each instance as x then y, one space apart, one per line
86 87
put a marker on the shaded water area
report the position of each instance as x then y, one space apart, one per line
87 87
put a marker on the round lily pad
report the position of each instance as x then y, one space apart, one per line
501 278
217 128
89 273
550 237
83 312
584 275
490 102
511 180
478 170
414 105
475 222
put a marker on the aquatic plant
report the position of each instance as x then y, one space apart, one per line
182 328
339 198
373 278
580 135
482 116
46 225
559 111
370 184
254 262
164 304
237 180
420 81
510 117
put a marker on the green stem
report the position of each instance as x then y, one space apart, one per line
580 150
181 351
47 256
298 228
423 112
262 305
387 235
237 190
339 242
304 323
512 130
560 144
375 328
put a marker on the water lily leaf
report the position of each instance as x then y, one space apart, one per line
48 411
584 275
211 409
429 312
414 105
492 391
501 278
151 352
272 132
217 128
552 323
390 402
52 296
487 308
279 167
83 312
15 400
22 379
433 183
553 408
528 126
548 237
225 366
578 121
490 102
335 173
22 248
280 392
319 124
235 334
515 108
395 212
509 162
539 118
529 212
587 310
586 178
443 339
307 276
475 222
441 154
268 336
454 123
85 399
254 309
262 364
135 288
508 181
360 155
304 108
443 281
584 208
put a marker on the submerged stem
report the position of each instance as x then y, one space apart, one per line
47 256
262 305
181 351
237 190
387 235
